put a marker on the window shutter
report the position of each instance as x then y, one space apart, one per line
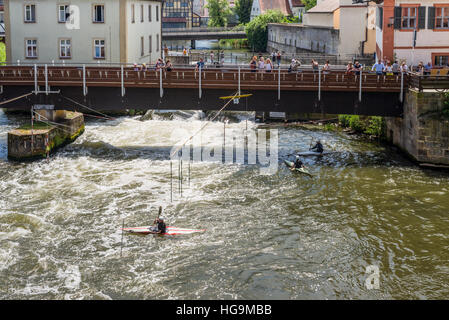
421 17
431 18
381 17
397 17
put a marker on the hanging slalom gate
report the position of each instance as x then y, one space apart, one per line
180 176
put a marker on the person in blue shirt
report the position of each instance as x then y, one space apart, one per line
200 64
378 67
427 68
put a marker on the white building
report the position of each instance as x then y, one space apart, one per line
83 31
413 31
355 22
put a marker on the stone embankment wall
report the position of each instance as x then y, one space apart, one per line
45 139
423 131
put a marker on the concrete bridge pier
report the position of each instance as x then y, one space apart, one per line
423 131
192 44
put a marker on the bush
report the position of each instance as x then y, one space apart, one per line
257 29
376 126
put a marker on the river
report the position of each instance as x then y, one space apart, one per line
279 236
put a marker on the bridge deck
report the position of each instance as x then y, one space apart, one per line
210 79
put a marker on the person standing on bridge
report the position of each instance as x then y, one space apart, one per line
261 64
395 68
326 68
357 67
200 64
268 66
378 67
168 66
165 51
315 66
212 57
404 67
253 64
278 58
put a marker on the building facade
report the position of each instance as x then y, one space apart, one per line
355 22
80 31
2 21
261 6
177 14
413 31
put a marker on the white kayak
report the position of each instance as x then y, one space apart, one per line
171 231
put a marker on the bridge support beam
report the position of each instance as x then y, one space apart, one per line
192 44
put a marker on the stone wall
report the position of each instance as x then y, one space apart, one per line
294 38
20 146
423 132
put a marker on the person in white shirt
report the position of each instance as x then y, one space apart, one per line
261 64
268 66
404 67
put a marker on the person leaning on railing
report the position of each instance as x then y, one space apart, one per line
253 64
378 67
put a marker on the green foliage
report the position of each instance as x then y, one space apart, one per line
355 124
234 43
257 31
243 10
374 126
2 52
309 4
218 13
343 119
291 19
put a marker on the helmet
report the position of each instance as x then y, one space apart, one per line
161 218
297 157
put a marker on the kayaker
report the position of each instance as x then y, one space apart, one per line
318 146
298 164
160 227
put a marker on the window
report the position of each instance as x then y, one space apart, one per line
31 48
408 17
30 13
142 47
440 59
65 48
442 18
99 52
149 13
133 18
63 13
157 42
141 13
157 13
151 44
98 13
1 17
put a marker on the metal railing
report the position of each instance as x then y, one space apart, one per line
202 29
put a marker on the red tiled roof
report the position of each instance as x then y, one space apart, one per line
281 5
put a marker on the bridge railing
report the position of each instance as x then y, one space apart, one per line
230 78
202 29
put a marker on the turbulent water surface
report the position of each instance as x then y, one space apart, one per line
279 236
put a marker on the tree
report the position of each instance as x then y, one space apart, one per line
218 13
257 29
309 4
243 10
